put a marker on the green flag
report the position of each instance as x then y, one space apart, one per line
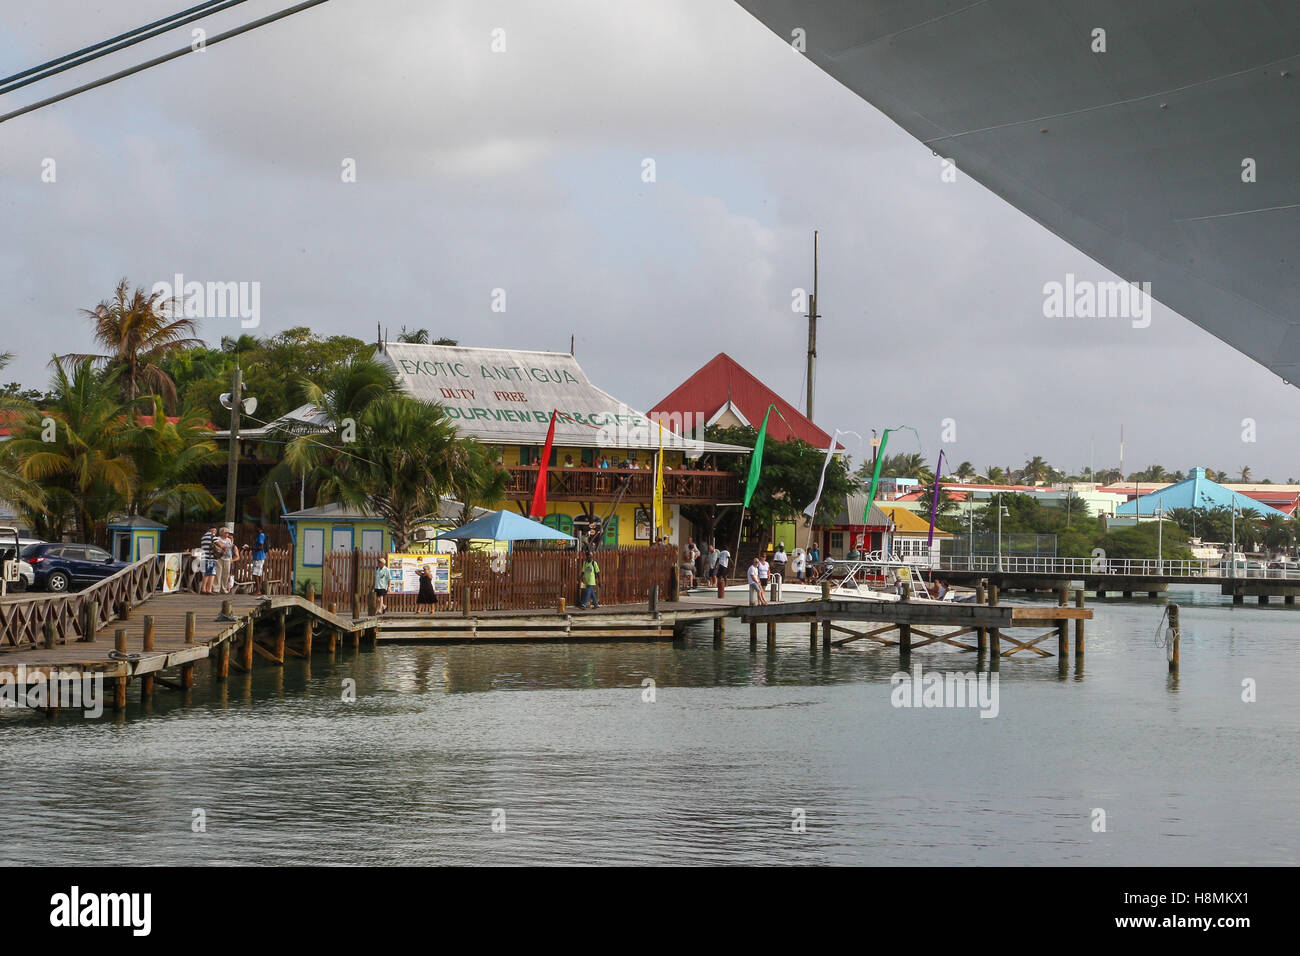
756 459
875 474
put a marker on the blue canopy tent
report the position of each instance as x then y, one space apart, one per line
504 526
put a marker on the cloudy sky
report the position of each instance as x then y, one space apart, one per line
522 170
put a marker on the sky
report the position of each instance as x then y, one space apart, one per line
524 169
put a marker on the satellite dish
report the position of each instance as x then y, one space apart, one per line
250 405
225 400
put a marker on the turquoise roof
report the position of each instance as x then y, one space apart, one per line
1196 491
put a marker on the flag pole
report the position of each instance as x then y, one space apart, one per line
739 530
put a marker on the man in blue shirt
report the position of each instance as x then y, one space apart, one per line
259 561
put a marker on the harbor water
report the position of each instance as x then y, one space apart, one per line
635 753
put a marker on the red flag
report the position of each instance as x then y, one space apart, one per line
538 509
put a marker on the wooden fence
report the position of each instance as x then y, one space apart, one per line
76 616
529 580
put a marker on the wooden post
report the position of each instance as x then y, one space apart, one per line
1174 641
771 635
907 592
356 605
119 683
281 633
812 635
227 609
753 633
47 632
995 636
905 637
654 599
146 645
306 636
372 605
125 609
191 618
1078 626
1062 626
826 635
223 660
89 620
981 633
560 606
187 673
718 631
247 647
311 592
465 596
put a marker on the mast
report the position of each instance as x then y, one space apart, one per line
812 331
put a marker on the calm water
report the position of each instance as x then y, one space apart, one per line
558 737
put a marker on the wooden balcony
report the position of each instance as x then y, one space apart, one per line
681 487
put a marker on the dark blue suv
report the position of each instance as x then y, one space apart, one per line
66 567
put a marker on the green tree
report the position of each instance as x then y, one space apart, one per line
406 457
168 456
137 335
482 481
82 467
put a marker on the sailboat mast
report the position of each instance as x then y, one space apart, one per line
812 331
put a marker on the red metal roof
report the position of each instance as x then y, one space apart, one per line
722 379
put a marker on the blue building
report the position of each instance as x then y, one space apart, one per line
1195 491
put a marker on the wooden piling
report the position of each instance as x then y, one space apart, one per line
223 660
146 645
191 619
187 673
306 636
47 634
124 610
981 633
356 605
89 620
753 633
995 636
281 633
1175 640
246 649
119 693
1062 625
812 635
826 635
1078 625
311 592
771 635
719 631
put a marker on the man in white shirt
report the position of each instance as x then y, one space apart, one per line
724 566
779 559
756 595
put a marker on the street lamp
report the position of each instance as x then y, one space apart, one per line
1236 513
1160 535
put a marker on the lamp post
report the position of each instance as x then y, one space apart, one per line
1160 535
1233 555
1001 512
235 401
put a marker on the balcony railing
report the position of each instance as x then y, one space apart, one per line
603 484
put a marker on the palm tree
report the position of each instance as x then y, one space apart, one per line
995 475
15 489
1245 473
406 457
1278 532
167 456
965 470
1036 470
482 482
421 337
83 465
138 333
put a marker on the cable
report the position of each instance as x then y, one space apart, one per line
159 60
103 43
132 38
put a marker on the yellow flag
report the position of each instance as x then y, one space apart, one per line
661 519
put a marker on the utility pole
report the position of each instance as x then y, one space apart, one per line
232 463
812 331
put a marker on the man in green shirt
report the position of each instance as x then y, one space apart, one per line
589 575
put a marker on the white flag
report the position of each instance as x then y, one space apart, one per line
811 510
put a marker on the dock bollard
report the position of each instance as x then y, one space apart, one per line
147 634
190 619
119 640
1173 638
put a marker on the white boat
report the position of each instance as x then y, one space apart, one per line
876 578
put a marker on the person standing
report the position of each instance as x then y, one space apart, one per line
756 595
764 572
724 565
224 547
798 563
814 555
207 544
425 599
259 561
589 575
779 559
381 584
712 567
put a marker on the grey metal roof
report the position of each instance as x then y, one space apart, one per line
448 510
1133 155
506 396
851 513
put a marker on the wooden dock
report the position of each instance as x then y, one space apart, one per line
609 622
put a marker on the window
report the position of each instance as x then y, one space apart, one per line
97 554
145 547
837 540
74 553
313 547
372 540
341 539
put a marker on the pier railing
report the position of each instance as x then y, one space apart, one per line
78 615
1123 567
522 580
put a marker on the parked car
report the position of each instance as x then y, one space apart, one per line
26 575
65 567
